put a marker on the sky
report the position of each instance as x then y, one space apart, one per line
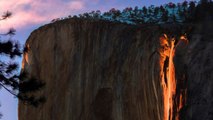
31 14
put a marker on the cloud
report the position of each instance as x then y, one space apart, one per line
76 5
32 12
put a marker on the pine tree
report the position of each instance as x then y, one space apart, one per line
203 11
165 16
185 4
156 11
204 1
191 11
19 85
144 10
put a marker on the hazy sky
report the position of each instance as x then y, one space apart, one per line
30 14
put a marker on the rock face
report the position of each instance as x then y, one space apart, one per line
97 70
199 74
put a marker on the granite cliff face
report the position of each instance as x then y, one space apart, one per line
98 70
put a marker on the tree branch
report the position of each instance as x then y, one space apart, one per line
8 90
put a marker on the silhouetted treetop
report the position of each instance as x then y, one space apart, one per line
169 13
21 85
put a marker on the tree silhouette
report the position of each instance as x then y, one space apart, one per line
204 11
185 4
169 13
144 10
164 16
191 11
172 6
20 85
156 11
205 1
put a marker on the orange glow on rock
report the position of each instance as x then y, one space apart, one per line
168 81
180 103
25 57
171 84
171 80
184 39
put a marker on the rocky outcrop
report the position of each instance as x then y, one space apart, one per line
98 70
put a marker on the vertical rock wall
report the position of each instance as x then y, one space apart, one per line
197 67
95 70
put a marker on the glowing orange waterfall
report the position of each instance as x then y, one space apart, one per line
171 80
169 86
